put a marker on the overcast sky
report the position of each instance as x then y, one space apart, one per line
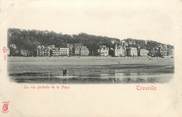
141 19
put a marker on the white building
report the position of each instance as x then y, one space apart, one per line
24 52
55 52
77 48
133 51
60 52
144 52
171 52
64 51
40 50
119 50
103 50
84 51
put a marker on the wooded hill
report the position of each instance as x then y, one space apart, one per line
30 39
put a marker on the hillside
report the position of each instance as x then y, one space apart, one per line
30 39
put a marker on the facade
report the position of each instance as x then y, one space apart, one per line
80 50
163 50
77 49
12 48
55 52
24 52
154 52
71 49
171 52
144 52
84 51
60 52
131 51
64 51
52 51
40 50
119 50
47 51
103 50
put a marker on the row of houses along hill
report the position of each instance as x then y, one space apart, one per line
23 42
126 47
132 47
76 49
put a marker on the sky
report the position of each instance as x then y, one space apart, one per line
140 19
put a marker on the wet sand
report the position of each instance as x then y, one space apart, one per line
90 69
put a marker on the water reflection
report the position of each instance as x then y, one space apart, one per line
90 75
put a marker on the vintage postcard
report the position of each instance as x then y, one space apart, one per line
90 58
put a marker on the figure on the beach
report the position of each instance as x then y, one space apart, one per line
64 72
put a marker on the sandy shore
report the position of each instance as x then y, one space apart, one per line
92 60
86 69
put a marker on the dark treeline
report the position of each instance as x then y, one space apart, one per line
30 39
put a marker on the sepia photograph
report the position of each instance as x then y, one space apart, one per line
90 58
37 56
90 42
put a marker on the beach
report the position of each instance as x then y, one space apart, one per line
90 69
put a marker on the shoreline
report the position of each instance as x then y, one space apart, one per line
90 69
92 60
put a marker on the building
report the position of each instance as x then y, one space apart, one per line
64 51
71 48
40 50
60 52
119 50
144 52
84 51
24 52
154 52
51 50
163 50
55 52
47 51
12 49
131 51
77 49
80 50
103 50
44 51
171 52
